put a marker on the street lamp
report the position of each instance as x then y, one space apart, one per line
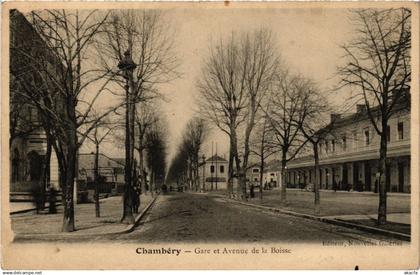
127 66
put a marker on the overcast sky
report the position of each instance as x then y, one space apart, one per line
308 41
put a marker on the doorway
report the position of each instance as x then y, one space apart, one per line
356 176
368 176
401 177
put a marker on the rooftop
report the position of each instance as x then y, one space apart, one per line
216 158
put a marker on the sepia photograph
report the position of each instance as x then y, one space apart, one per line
186 132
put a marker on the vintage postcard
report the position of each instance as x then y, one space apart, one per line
210 135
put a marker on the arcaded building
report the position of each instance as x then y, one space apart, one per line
349 156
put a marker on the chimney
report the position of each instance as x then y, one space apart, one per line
334 117
361 108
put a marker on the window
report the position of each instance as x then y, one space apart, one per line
367 138
326 146
320 147
36 141
344 143
388 133
333 145
212 169
400 130
255 170
272 174
354 140
222 168
33 116
16 168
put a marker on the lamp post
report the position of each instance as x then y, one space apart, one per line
204 173
127 66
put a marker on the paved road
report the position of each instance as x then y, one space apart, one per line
188 217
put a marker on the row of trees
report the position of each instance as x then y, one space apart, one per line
75 84
185 164
249 94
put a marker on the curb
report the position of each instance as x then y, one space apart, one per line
397 235
31 209
128 229
58 203
131 227
45 207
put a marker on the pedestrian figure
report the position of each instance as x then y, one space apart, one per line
37 196
136 199
52 209
251 191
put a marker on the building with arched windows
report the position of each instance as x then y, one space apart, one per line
27 140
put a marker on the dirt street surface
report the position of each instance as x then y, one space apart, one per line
190 217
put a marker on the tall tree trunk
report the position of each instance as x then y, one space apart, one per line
283 196
190 174
317 179
237 163
382 172
261 174
46 170
230 173
142 174
70 145
204 175
97 210
154 182
68 219
141 160
196 177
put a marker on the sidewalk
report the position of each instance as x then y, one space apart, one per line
48 226
350 209
334 203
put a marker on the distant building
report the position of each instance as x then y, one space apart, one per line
272 174
253 175
215 173
349 156
111 172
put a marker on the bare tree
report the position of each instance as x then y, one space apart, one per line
145 36
99 134
285 117
263 145
193 138
315 127
59 86
235 78
378 69
145 119
177 171
156 148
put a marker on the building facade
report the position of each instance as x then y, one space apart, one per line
272 174
213 173
349 156
111 171
27 140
